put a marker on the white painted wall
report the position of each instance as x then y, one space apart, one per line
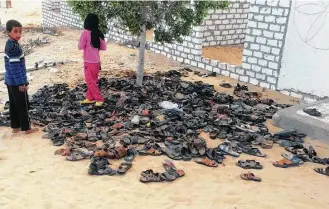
305 62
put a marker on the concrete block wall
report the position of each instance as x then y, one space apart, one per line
226 27
263 47
59 13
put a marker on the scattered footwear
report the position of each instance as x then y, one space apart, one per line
313 112
250 177
207 162
285 163
324 171
249 164
87 102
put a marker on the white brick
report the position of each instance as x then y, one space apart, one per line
214 62
262 62
260 76
273 65
254 81
256 32
254 46
209 67
271 79
284 3
275 28
258 54
216 70
225 22
273 87
234 76
269 57
293 94
277 58
276 51
285 92
244 78
247 52
273 3
281 20
265 49
272 43
278 36
250 73
230 67
250 38
240 71
201 65
256 68
259 17
180 59
277 11
275 73
196 52
286 12
283 28
246 66
252 24
218 22
252 60
193 63
279 44
264 85
225 73
265 10
262 25
209 22
268 34
230 16
267 71
254 9
309 100
261 40
187 61
270 19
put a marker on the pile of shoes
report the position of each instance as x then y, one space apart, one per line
163 117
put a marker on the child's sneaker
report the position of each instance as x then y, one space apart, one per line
99 104
86 101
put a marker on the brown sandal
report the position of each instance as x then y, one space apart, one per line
63 152
207 162
250 176
285 163
267 144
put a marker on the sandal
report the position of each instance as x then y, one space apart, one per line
207 162
185 153
228 150
124 167
154 150
250 177
249 164
253 151
267 144
292 158
131 154
76 156
150 176
324 171
63 151
171 168
285 163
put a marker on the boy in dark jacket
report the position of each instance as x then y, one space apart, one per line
16 80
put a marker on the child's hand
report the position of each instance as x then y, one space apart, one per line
23 88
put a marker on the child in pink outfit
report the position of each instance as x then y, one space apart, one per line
91 42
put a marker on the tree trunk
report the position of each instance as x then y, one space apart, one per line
142 42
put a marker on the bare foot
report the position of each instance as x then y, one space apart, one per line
15 130
32 130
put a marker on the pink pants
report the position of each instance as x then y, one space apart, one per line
91 77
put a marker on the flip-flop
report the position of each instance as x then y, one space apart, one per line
207 162
250 177
152 177
154 150
228 150
293 158
171 153
259 140
249 164
76 156
285 163
124 167
254 152
324 171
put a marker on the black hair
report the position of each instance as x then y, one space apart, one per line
11 24
91 23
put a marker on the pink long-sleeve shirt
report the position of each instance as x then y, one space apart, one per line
90 54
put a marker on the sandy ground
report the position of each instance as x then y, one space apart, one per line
228 54
31 176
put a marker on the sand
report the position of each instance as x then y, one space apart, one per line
228 54
31 176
